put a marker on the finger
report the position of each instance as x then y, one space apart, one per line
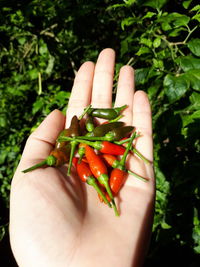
125 92
103 79
42 140
81 91
142 120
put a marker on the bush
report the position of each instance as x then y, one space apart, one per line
43 44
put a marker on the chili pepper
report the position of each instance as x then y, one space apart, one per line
104 147
118 133
106 113
102 129
74 131
118 174
57 157
65 132
74 127
86 175
99 170
114 163
89 124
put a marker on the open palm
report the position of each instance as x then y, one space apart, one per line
56 220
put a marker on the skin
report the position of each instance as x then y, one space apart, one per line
59 221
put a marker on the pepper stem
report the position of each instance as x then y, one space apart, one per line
90 138
116 119
92 182
103 179
115 208
84 112
73 148
138 176
40 164
49 161
123 159
140 155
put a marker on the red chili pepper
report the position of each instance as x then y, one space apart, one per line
99 170
86 176
117 179
114 163
104 147
118 174
111 160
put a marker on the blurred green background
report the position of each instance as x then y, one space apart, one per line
42 45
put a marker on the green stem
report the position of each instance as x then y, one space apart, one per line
40 164
97 188
123 159
90 138
140 155
103 179
84 112
116 119
49 161
115 208
138 176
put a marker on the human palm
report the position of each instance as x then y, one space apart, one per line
56 220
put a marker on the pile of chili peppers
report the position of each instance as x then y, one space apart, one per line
97 152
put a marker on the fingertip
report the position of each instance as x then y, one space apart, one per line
141 102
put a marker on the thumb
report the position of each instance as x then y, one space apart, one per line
42 140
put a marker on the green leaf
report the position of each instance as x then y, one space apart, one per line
194 77
157 42
33 74
175 87
143 50
127 22
187 119
196 17
37 105
188 62
176 32
157 63
196 8
165 225
186 3
141 75
149 15
157 4
194 46
195 101
146 42
62 96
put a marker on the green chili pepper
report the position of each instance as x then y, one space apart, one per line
89 124
118 133
102 129
106 113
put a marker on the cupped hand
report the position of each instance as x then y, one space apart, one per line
58 221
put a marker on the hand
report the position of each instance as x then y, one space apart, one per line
57 220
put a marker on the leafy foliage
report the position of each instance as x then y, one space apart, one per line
43 44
